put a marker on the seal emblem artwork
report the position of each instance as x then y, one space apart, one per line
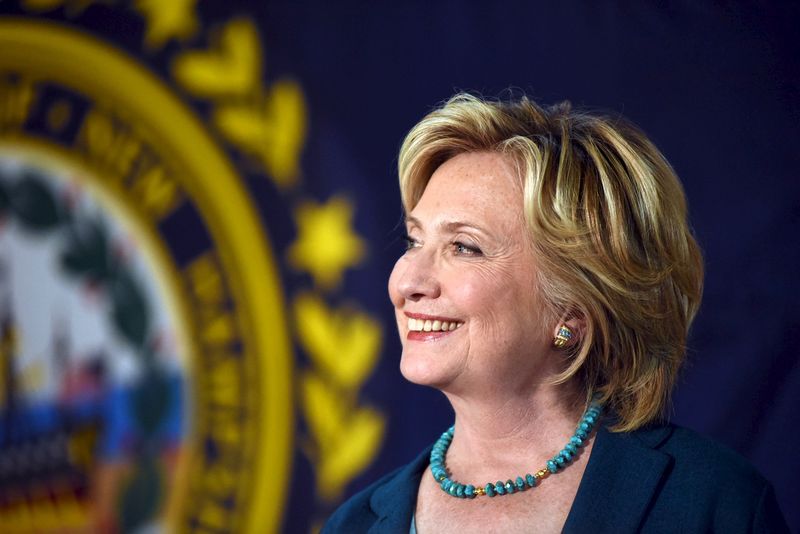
145 363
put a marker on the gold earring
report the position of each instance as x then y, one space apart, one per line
563 336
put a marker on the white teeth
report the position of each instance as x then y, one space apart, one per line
427 325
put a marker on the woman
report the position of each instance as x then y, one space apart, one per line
547 290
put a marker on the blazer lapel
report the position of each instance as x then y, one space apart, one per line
394 502
620 481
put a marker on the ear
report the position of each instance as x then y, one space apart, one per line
575 324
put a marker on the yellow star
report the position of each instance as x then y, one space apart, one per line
326 244
175 19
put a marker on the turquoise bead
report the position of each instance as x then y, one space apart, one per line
551 466
530 479
571 447
567 454
510 487
489 489
499 488
445 485
560 460
520 484
469 491
460 490
585 426
576 440
582 434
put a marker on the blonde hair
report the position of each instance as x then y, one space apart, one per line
608 222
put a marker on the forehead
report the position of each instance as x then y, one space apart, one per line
481 187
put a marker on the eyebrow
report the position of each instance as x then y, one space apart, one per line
446 225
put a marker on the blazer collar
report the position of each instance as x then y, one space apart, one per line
620 481
395 501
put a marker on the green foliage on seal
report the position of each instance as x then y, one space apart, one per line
85 254
141 497
34 204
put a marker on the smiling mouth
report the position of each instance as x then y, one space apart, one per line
432 325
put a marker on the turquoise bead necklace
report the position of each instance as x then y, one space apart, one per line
555 464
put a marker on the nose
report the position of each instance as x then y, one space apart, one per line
414 277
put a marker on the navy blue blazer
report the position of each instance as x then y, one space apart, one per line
660 479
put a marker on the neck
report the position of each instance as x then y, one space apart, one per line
511 433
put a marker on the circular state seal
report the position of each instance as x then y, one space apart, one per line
176 410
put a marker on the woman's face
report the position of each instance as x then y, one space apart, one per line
465 294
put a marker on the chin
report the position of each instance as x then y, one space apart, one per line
423 370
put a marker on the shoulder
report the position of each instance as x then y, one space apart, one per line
712 481
665 478
689 454
689 447
392 495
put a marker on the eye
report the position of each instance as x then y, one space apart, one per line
466 250
410 242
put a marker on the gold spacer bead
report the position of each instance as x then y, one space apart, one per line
542 473
480 491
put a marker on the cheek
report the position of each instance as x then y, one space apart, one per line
499 301
485 288
485 303
393 287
